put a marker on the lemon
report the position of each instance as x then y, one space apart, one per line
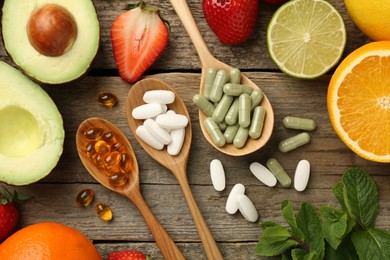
306 38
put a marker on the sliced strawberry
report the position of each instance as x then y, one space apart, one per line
138 37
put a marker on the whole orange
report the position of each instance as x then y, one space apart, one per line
48 240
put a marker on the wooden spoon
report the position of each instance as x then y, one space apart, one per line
208 61
176 164
131 189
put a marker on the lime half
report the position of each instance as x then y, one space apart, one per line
306 38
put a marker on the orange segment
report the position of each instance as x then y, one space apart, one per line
359 101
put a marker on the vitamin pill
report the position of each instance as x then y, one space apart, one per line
112 159
203 104
235 76
101 147
117 146
159 133
90 149
148 111
299 123
172 121
209 81
145 136
256 126
177 136
107 99
232 89
222 126
109 137
244 110
247 209
159 97
294 142
231 132
302 174
222 108
84 197
214 132
263 174
256 97
93 133
217 174
126 163
98 160
217 90
231 203
241 137
232 114
277 169
103 211
117 179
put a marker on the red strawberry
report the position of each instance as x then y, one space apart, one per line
233 21
127 255
138 37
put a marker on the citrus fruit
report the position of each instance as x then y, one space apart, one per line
359 101
371 17
48 241
306 38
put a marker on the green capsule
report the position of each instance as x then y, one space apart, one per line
209 81
235 76
299 123
256 97
294 142
214 132
231 132
280 174
257 123
217 91
232 114
203 104
222 108
241 137
233 89
222 126
244 110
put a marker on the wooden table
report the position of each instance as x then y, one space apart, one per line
54 196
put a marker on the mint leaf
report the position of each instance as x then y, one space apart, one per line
345 251
289 216
372 244
338 191
267 224
360 196
275 234
299 254
275 248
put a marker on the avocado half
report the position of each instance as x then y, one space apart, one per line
76 27
31 129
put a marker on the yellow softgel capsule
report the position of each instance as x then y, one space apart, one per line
103 211
107 99
84 197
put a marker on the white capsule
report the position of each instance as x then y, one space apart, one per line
231 203
159 96
171 112
172 121
177 136
217 174
159 133
148 111
263 174
247 209
148 138
302 174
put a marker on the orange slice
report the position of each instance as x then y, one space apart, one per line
359 101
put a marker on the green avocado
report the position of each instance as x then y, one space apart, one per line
52 41
31 129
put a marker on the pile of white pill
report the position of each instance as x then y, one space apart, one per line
162 127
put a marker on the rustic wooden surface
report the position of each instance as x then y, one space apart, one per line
54 196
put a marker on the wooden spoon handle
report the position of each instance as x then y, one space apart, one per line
167 247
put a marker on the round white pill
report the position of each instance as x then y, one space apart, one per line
159 96
247 209
172 121
302 174
263 174
145 136
159 133
217 174
148 111
177 136
231 203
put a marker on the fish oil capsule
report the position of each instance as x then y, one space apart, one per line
94 133
101 147
235 76
98 160
117 146
256 97
109 137
214 132
90 149
232 114
256 126
294 142
277 169
217 90
209 81
159 96
118 179
107 99
231 203
236 90
84 197
126 163
159 133
222 108
299 123
247 209
302 174
203 104
241 137
263 174
244 110
217 174
231 132
112 158
103 211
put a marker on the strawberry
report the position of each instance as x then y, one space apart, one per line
274 2
127 255
233 21
138 37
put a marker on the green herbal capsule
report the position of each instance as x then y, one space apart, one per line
256 97
299 123
217 91
241 137
233 89
214 132
203 104
280 174
222 108
256 126
231 132
209 81
235 76
244 110
232 114
294 142
222 126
